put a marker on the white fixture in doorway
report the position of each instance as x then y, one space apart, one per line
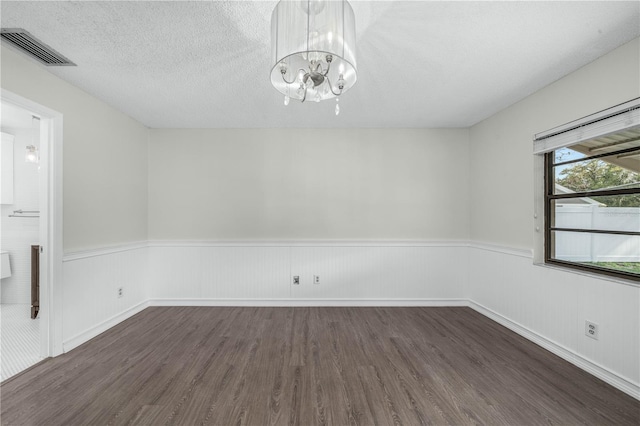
5 265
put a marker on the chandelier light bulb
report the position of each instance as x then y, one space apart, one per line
31 155
286 100
337 106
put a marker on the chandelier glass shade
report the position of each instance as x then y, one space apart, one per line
313 49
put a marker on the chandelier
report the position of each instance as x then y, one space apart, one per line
313 49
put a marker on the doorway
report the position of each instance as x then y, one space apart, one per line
31 325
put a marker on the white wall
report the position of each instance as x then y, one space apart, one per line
308 202
306 184
551 303
105 198
105 158
501 146
18 234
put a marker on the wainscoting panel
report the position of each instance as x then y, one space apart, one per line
345 272
90 293
550 306
219 272
379 272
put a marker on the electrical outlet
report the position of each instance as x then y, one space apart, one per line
120 292
296 280
591 329
316 279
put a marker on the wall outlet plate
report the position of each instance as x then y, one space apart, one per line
120 292
591 329
316 279
296 280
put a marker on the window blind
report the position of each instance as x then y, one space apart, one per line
620 117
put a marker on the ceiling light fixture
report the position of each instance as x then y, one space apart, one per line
313 49
32 154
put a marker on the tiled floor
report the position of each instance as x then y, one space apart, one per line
20 339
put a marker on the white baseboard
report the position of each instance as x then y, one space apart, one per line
628 387
92 332
308 302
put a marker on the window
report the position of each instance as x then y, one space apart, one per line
592 194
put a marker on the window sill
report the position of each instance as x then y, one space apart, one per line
617 280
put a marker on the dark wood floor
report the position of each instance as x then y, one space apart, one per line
306 366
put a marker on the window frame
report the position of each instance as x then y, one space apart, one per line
549 227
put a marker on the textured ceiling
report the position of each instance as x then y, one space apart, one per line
420 63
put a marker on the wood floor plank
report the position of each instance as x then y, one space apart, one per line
310 366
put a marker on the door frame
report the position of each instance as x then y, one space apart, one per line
51 221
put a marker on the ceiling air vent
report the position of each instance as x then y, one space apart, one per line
25 42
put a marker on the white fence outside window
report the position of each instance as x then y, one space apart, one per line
586 247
